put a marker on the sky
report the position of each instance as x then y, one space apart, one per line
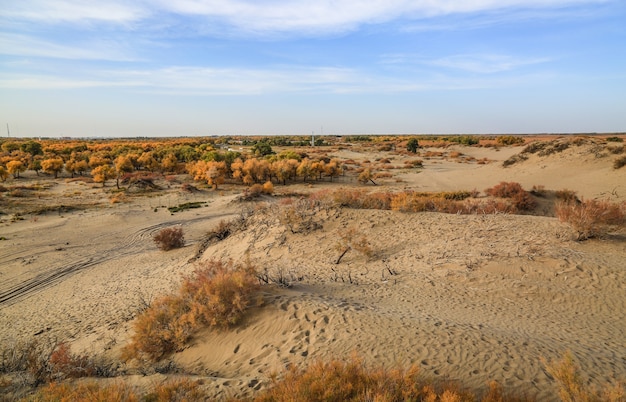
149 68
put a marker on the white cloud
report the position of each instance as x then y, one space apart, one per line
177 80
74 11
268 16
485 63
24 45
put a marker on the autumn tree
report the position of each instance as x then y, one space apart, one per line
213 172
333 169
98 160
123 164
102 173
35 164
169 163
305 169
15 167
76 164
52 165
148 161
366 176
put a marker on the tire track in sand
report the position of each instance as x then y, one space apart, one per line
128 245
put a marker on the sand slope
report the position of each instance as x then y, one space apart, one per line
475 298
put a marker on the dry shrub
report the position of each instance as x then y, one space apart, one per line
86 392
299 215
414 163
382 175
572 387
268 188
591 218
619 162
216 295
351 240
617 150
169 238
353 381
48 361
521 198
177 390
566 195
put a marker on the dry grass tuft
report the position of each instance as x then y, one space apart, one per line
572 387
591 218
216 295
353 381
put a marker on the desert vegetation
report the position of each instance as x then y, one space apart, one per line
266 199
216 295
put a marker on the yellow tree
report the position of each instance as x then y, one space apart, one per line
147 161
52 165
102 173
123 164
305 169
15 167
169 163
333 169
215 173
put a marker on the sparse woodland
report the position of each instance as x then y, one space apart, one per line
286 180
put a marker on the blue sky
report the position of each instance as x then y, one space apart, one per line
207 67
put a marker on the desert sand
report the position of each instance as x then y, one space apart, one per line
473 298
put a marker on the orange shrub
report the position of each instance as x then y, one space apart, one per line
169 238
87 392
216 295
591 218
521 198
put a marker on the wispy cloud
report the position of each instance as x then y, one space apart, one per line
485 63
473 63
266 17
74 11
196 81
101 49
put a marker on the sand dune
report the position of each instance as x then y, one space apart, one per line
475 298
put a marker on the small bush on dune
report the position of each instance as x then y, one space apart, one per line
521 198
572 387
86 392
591 218
619 162
170 238
175 390
353 381
566 195
216 295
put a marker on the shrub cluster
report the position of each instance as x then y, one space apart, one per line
216 295
353 381
49 361
591 218
522 200
169 238
175 390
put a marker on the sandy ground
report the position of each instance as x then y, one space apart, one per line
474 298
